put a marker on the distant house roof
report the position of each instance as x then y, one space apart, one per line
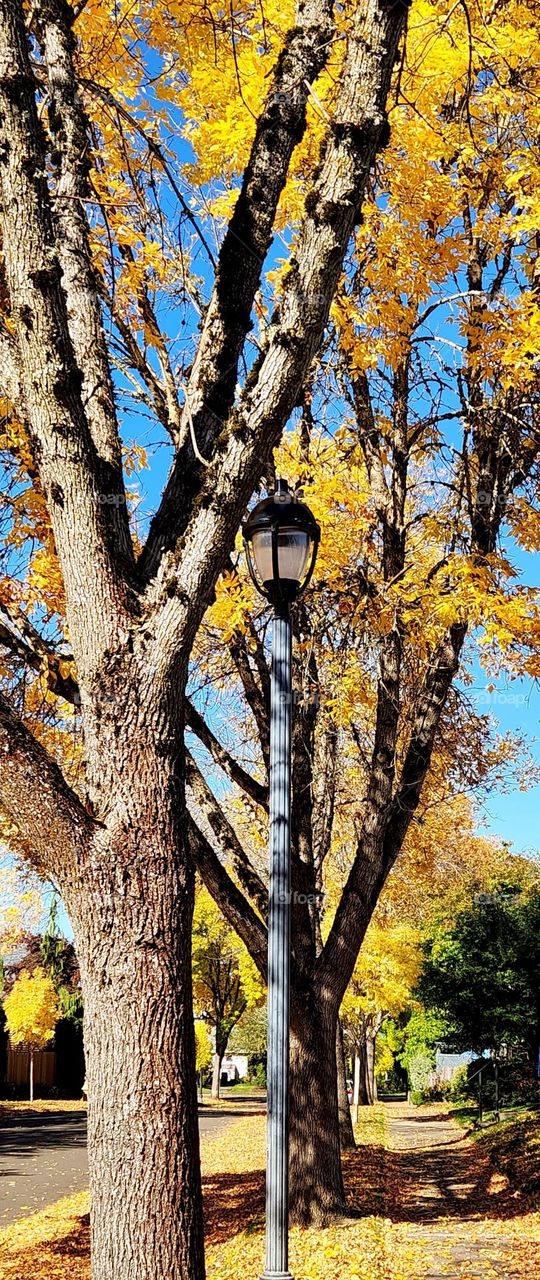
451 1061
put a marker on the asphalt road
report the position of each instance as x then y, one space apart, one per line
43 1158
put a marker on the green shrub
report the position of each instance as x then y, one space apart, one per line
439 1092
259 1075
416 1096
459 1085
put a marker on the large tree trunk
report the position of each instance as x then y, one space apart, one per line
222 1041
131 909
316 1182
369 1061
364 1098
346 1132
365 1087
216 1074
356 1087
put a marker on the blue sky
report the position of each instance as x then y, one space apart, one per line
514 816
515 706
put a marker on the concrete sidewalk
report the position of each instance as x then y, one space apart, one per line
458 1210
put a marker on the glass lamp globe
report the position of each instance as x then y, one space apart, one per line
281 537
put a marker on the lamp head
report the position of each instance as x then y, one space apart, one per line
281 538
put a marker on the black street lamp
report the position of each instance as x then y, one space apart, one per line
281 538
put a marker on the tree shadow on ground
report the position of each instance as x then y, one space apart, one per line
431 1117
451 1180
231 1111
21 1141
76 1244
233 1202
517 1151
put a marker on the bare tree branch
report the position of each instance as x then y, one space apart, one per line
237 910
121 112
20 637
167 390
222 757
52 826
370 438
257 700
144 369
225 834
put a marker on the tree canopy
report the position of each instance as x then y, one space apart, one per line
32 1010
481 973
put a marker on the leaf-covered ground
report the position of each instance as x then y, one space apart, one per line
450 1207
428 1206
38 1108
514 1148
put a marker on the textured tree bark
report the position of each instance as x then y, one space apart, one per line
315 1177
346 1133
31 1074
216 1075
79 279
371 1083
127 882
133 946
356 1086
131 907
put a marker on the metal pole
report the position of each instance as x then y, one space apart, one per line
279 943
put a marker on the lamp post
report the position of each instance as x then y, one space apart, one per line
281 538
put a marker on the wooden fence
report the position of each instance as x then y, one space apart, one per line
18 1068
